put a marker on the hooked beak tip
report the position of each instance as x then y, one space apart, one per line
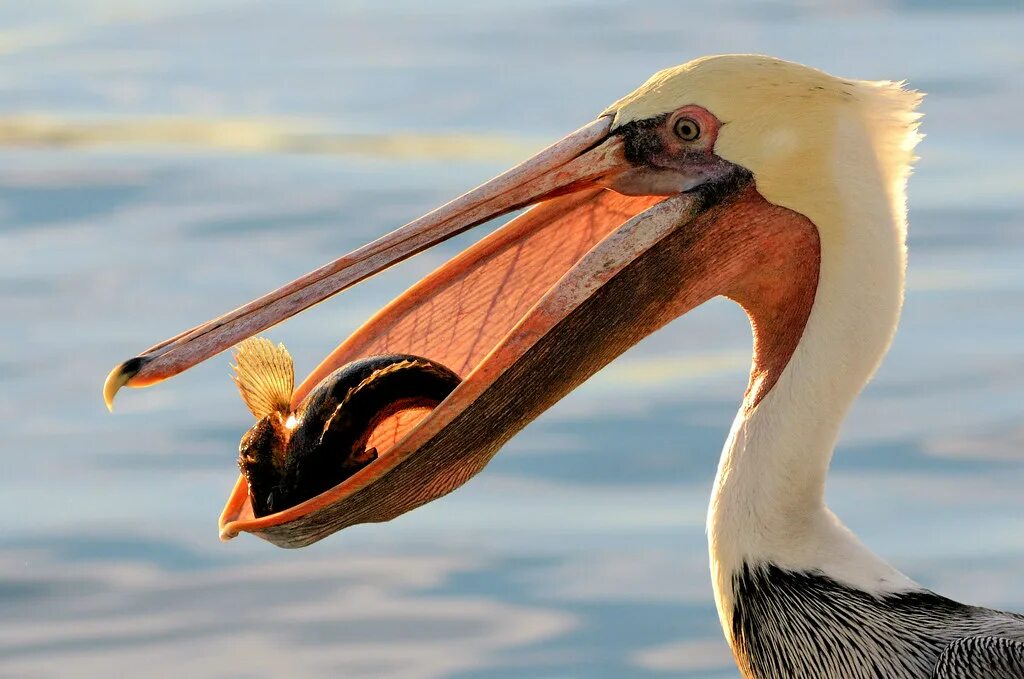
118 377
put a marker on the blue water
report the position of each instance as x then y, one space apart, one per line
580 551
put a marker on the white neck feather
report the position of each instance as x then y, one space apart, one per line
768 502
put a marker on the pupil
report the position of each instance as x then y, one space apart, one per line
686 129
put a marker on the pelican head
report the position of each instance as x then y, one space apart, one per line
728 175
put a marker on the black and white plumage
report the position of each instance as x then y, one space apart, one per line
800 625
981 658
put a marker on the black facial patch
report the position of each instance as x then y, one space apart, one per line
715 191
641 140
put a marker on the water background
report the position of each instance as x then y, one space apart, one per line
162 162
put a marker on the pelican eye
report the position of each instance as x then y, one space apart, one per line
686 129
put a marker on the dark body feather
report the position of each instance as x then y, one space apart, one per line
981 658
804 625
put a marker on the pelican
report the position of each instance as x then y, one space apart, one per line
770 183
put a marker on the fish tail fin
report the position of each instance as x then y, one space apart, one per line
265 375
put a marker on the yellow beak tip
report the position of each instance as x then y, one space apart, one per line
115 380
118 377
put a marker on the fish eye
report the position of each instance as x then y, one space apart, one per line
686 129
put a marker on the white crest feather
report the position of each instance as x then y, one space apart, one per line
265 375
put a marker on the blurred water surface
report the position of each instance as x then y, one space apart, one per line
162 162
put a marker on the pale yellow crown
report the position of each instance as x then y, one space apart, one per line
782 121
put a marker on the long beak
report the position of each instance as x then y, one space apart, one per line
564 167
524 316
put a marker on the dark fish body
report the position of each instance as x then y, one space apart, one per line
290 457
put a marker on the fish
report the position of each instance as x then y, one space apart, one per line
291 455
